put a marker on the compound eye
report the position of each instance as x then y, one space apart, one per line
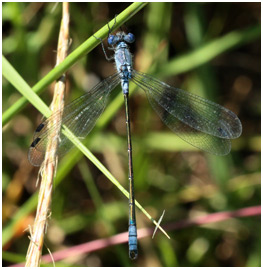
112 40
129 38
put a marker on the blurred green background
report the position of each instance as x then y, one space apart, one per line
210 49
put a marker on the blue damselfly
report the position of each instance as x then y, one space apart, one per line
200 122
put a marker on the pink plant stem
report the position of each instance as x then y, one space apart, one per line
123 237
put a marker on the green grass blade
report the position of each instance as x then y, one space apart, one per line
209 51
18 82
33 97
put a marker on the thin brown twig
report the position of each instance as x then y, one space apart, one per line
48 168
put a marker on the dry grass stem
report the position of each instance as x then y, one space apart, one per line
48 168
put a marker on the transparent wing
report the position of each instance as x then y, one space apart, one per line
78 116
200 122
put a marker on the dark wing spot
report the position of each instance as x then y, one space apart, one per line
34 143
223 133
40 127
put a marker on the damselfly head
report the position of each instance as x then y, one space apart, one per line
120 37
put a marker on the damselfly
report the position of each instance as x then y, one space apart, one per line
202 123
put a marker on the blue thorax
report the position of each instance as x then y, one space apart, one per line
122 57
